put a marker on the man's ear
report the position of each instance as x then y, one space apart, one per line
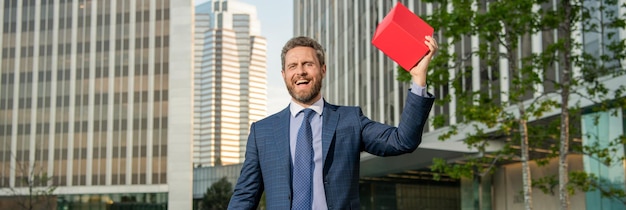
324 71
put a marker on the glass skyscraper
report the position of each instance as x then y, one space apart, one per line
230 80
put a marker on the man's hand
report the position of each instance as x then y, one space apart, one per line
419 71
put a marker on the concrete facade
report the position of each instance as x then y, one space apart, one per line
97 95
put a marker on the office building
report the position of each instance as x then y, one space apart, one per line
97 95
359 74
230 80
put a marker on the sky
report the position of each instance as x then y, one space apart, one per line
276 17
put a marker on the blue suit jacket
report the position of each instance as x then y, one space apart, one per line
345 133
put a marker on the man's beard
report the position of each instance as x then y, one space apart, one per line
306 97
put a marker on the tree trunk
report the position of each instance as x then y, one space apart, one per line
527 184
564 137
563 167
523 126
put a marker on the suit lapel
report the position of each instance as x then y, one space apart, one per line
281 141
331 118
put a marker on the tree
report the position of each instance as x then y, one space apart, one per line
593 18
501 28
217 196
35 190
498 26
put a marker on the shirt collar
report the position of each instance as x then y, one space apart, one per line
295 108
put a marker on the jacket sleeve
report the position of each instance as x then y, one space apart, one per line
249 187
384 140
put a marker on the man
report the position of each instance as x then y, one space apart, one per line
307 155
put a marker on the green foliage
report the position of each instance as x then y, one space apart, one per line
610 154
403 75
218 195
455 171
499 23
547 184
590 182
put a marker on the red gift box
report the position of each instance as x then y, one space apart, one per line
401 36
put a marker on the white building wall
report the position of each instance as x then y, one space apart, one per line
180 135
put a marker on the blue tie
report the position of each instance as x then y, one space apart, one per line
303 165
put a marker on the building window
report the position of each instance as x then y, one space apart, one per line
599 129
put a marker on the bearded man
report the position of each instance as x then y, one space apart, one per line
307 155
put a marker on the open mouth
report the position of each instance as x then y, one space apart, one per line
302 82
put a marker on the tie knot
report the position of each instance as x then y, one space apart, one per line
308 113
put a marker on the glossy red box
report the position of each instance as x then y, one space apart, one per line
401 36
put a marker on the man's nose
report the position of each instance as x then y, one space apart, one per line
301 70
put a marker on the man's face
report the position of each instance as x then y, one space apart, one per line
303 75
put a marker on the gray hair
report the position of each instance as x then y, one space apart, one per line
303 41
